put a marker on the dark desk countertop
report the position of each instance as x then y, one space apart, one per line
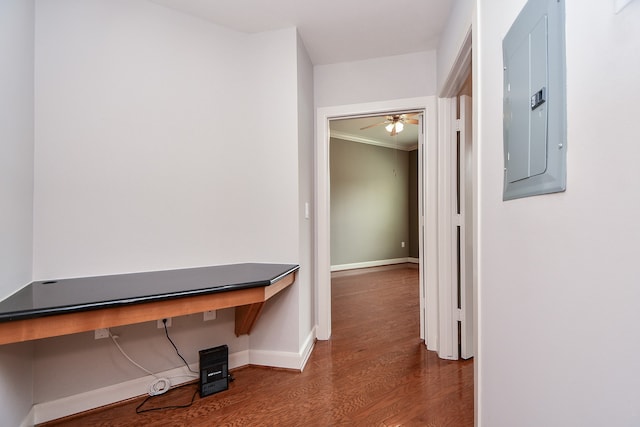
45 298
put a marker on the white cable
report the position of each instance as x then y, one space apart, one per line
159 385
113 338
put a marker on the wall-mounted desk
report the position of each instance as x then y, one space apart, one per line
59 307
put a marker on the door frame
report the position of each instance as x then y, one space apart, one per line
456 77
428 221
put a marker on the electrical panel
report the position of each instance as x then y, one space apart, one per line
534 103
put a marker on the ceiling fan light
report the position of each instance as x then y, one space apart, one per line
399 127
389 127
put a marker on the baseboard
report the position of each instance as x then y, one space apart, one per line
413 260
70 405
283 359
307 348
29 420
367 264
48 411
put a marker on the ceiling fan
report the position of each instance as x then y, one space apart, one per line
395 124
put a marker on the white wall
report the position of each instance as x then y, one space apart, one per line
559 301
160 134
160 144
273 191
74 364
379 79
277 325
452 39
16 149
16 192
306 119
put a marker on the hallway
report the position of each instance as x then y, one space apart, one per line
375 371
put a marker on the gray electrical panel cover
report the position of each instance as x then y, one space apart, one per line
534 104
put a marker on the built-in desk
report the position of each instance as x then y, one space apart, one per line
59 307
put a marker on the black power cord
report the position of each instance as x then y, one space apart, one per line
193 397
142 411
166 331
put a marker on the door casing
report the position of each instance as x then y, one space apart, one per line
428 220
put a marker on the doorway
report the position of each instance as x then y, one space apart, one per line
427 193
374 190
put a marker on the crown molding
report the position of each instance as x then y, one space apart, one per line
371 141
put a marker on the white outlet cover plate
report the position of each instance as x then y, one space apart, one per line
209 315
161 323
101 333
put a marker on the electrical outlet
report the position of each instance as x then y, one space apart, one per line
101 333
161 323
402 244
209 315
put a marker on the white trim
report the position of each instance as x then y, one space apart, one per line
476 94
322 223
460 69
307 348
367 264
285 359
422 181
467 181
413 260
469 58
29 420
371 141
239 358
448 331
47 411
321 229
429 222
81 402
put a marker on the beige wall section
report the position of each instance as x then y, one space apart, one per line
414 227
369 203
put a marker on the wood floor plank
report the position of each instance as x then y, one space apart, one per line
375 371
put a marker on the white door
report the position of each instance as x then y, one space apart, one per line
421 237
465 226
455 229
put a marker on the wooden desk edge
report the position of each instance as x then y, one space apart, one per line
83 321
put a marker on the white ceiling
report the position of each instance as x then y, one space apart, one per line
333 30
336 31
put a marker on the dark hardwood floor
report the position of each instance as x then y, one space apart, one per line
375 371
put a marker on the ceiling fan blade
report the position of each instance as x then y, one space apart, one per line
374 125
412 121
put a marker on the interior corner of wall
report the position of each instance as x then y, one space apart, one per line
618 5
